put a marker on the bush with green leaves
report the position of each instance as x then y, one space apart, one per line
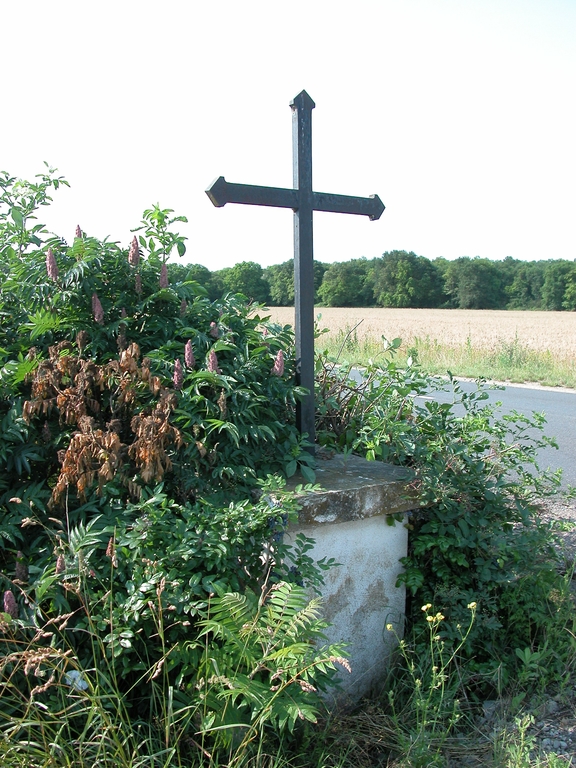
144 435
475 534
97 341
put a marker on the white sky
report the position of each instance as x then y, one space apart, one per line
460 114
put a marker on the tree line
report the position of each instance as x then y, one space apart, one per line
403 279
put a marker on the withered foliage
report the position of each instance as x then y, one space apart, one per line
121 414
154 434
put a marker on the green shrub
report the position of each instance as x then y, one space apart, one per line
140 429
475 535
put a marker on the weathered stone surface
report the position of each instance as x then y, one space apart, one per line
349 521
354 489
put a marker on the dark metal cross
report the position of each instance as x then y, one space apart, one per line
303 202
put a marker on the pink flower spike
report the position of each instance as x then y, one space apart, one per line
134 253
78 231
214 332
164 276
10 606
189 358
138 284
97 310
178 374
213 362
51 266
278 367
20 569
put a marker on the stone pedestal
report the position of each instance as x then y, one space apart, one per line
350 522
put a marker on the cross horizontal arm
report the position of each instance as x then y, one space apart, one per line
221 192
364 206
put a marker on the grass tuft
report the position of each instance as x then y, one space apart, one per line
511 361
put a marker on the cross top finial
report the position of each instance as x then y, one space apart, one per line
302 101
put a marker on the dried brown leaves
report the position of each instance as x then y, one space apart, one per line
113 439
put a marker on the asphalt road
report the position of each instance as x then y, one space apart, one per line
559 408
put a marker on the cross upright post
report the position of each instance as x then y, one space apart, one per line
303 202
302 107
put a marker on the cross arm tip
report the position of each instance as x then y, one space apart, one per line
379 208
217 192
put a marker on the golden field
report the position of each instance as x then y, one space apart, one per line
481 329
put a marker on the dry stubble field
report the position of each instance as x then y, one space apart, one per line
486 329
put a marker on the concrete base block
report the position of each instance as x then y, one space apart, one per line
349 521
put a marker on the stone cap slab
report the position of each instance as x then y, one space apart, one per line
353 489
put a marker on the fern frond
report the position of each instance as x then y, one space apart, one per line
82 537
233 610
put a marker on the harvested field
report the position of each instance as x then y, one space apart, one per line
481 329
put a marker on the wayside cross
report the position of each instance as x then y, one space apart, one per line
303 202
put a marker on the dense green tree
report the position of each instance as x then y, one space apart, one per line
556 277
570 292
247 278
346 284
280 279
319 271
475 284
401 279
525 289
197 273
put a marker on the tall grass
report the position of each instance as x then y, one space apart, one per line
511 361
57 712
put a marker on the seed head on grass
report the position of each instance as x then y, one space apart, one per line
42 688
111 552
342 661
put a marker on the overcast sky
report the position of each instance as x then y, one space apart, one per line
460 114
